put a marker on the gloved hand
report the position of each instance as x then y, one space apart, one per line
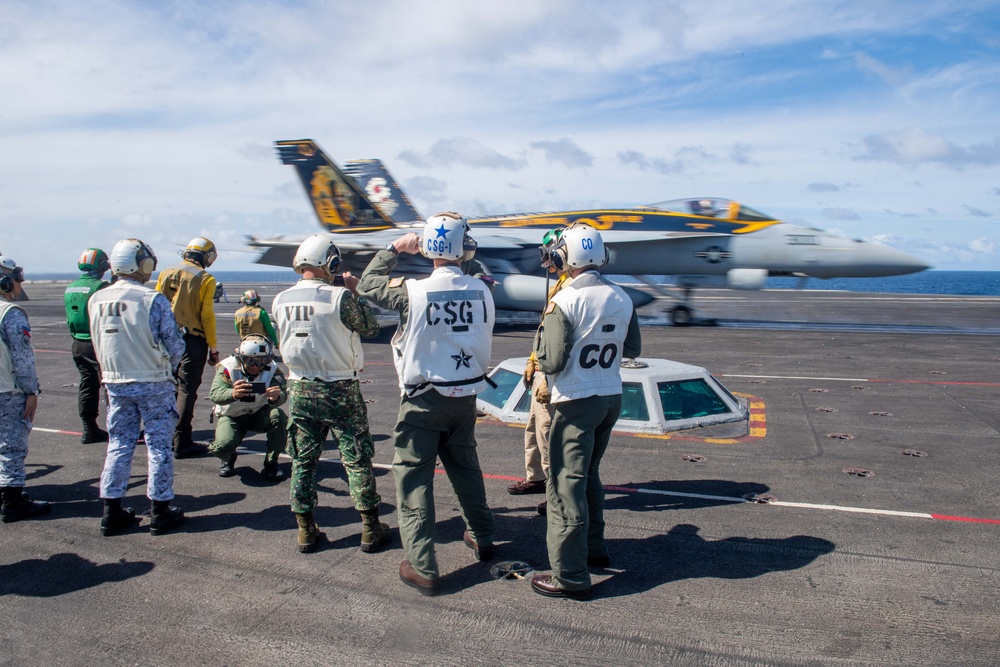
542 394
529 372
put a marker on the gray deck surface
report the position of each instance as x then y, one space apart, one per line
698 577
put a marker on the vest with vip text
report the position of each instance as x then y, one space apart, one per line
123 339
315 342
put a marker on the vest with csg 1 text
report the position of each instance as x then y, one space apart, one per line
123 338
598 313
447 342
315 342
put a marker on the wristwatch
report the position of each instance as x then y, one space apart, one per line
391 248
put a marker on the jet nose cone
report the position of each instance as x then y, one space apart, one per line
881 260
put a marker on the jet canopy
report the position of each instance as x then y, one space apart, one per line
712 207
658 396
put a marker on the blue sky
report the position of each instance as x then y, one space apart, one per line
876 119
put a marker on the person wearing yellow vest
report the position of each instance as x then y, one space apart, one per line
247 391
191 290
536 431
18 397
251 318
94 264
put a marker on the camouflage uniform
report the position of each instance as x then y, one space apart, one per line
15 333
316 408
153 405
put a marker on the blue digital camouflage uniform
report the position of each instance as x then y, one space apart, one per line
134 405
15 333
316 408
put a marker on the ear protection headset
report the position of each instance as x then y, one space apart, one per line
145 259
7 280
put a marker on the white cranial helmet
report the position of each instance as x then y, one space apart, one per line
132 256
446 236
255 348
581 245
318 251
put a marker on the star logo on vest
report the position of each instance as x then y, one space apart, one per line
441 232
461 359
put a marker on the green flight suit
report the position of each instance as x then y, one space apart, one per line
430 426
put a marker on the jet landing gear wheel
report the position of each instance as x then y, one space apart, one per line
680 316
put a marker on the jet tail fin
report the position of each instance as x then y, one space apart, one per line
383 190
340 204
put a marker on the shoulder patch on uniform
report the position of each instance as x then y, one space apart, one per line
549 308
396 282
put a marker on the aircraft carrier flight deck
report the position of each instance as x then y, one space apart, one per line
856 524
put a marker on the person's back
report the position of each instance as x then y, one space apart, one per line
94 264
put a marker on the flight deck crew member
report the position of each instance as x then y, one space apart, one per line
18 397
191 289
536 431
94 264
240 409
441 351
251 318
588 327
139 347
320 325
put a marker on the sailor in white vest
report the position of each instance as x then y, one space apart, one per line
587 328
247 390
320 324
139 347
18 397
441 350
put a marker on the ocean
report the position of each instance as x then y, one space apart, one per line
974 283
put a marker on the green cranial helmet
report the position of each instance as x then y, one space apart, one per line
93 259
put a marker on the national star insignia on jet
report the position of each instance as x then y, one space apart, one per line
441 232
461 359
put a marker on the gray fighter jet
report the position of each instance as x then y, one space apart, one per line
703 242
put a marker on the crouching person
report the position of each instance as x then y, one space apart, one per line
247 390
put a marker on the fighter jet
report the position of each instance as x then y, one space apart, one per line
702 241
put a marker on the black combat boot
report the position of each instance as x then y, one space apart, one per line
309 535
374 534
116 518
271 472
92 433
17 505
165 517
227 467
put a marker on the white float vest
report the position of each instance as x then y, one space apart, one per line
448 339
238 407
599 315
8 379
122 337
315 343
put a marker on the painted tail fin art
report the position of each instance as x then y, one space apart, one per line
364 198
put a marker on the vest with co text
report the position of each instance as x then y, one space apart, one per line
598 313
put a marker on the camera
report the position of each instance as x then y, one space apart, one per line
338 280
258 387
